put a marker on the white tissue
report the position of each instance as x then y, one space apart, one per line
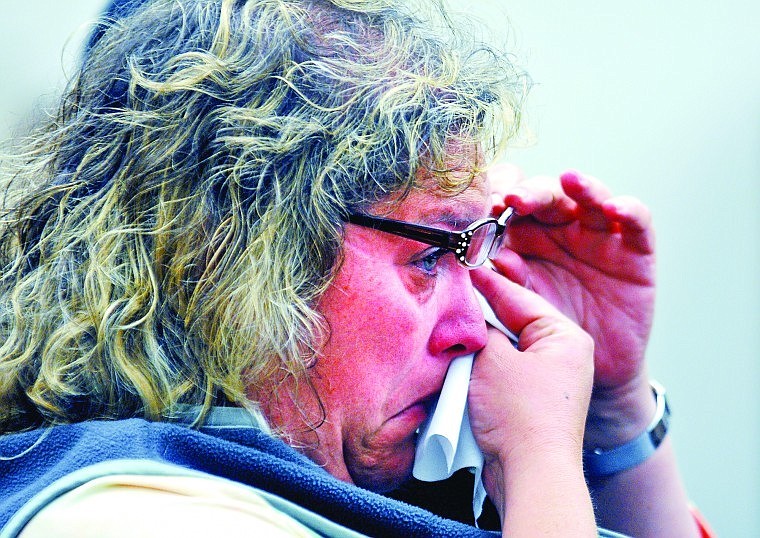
446 443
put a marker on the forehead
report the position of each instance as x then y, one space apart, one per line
429 204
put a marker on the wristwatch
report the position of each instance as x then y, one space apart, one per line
605 462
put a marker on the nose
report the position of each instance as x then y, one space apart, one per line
461 327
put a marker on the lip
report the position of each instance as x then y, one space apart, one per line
416 413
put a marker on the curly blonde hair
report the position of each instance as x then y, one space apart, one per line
167 234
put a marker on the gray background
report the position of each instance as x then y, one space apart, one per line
661 99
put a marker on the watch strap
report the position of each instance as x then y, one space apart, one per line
605 462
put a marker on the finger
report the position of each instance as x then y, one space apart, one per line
510 264
629 212
516 307
542 198
589 194
634 220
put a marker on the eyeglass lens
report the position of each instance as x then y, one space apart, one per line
481 244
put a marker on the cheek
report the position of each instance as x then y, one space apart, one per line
369 305
374 325
375 331
366 340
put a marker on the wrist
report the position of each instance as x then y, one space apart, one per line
618 415
549 494
603 461
553 458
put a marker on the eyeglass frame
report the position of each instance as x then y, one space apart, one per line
457 242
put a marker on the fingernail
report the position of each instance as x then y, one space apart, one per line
573 174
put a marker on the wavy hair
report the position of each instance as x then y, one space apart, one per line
167 234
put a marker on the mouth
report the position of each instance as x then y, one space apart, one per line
413 416
391 448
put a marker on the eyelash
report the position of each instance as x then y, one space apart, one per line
434 255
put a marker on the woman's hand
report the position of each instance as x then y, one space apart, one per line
591 255
527 411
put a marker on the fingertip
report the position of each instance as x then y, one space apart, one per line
572 178
520 199
634 222
511 265
613 210
627 210
513 305
491 283
574 184
570 174
484 277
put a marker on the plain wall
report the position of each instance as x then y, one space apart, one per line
662 101
659 99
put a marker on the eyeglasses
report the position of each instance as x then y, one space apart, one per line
472 246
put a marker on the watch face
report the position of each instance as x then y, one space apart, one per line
658 431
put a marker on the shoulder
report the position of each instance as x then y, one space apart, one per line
141 505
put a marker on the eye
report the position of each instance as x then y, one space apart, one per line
429 262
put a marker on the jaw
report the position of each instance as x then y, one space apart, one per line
379 460
381 468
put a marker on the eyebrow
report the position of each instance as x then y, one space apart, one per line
450 218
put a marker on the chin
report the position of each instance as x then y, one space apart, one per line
385 474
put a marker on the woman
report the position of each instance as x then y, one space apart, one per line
199 276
